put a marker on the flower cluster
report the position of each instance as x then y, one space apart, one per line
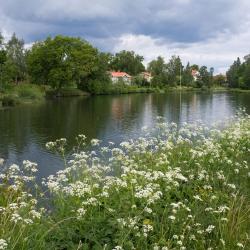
175 188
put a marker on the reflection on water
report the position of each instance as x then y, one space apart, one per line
24 130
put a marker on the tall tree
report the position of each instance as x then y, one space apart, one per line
187 78
246 76
157 68
233 74
174 70
195 67
3 59
219 80
61 61
16 63
128 62
204 77
211 77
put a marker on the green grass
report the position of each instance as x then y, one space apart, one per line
22 93
65 92
172 189
240 90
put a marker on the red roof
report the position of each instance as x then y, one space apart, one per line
119 74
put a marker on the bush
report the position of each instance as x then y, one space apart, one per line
98 87
9 101
29 91
65 92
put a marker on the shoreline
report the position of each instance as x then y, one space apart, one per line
11 99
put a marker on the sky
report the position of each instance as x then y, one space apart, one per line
205 32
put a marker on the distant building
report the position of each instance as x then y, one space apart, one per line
147 76
195 74
117 75
247 57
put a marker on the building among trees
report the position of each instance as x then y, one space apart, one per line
117 76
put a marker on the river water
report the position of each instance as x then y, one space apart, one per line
25 129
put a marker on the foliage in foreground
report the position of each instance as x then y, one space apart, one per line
184 188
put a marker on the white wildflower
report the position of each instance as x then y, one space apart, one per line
147 210
35 214
1 161
117 248
197 197
171 217
15 218
80 213
95 142
210 228
222 242
240 245
3 244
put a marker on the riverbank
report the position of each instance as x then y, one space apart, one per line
30 93
23 93
173 189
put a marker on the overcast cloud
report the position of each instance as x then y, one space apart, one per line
212 32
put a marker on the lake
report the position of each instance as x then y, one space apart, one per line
25 129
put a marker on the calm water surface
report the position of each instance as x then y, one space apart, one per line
25 129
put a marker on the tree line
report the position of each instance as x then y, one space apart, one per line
64 61
238 75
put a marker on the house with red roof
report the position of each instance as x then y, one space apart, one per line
116 76
195 74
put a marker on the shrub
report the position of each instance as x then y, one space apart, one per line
9 101
29 91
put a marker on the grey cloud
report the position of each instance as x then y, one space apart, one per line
179 20
212 32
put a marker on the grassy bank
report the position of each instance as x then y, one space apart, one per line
240 90
98 88
65 92
172 189
22 93
30 93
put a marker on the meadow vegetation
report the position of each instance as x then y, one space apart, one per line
174 188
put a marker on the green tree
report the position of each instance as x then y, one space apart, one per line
211 77
62 61
219 80
204 77
15 65
3 59
195 67
98 81
157 68
246 76
233 74
187 78
128 62
174 70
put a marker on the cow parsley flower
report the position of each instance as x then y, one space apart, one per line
210 228
1 161
3 244
240 245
